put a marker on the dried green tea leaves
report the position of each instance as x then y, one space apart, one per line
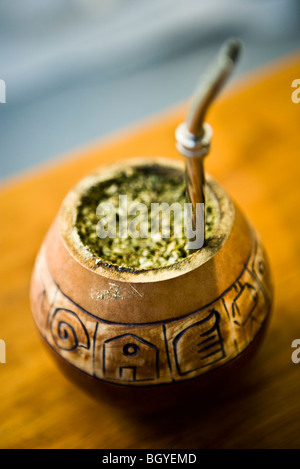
141 186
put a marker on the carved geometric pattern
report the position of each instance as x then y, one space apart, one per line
154 353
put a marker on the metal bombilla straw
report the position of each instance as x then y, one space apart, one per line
193 136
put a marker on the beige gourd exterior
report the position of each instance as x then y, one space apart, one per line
156 327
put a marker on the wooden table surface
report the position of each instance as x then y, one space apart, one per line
256 157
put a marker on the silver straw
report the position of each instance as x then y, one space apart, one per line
193 136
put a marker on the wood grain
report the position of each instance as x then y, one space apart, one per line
255 156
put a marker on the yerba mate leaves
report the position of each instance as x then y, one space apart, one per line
140 187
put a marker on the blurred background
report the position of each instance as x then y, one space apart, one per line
76 70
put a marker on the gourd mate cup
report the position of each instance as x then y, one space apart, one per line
146 328
136 329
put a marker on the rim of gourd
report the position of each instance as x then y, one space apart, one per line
222 207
